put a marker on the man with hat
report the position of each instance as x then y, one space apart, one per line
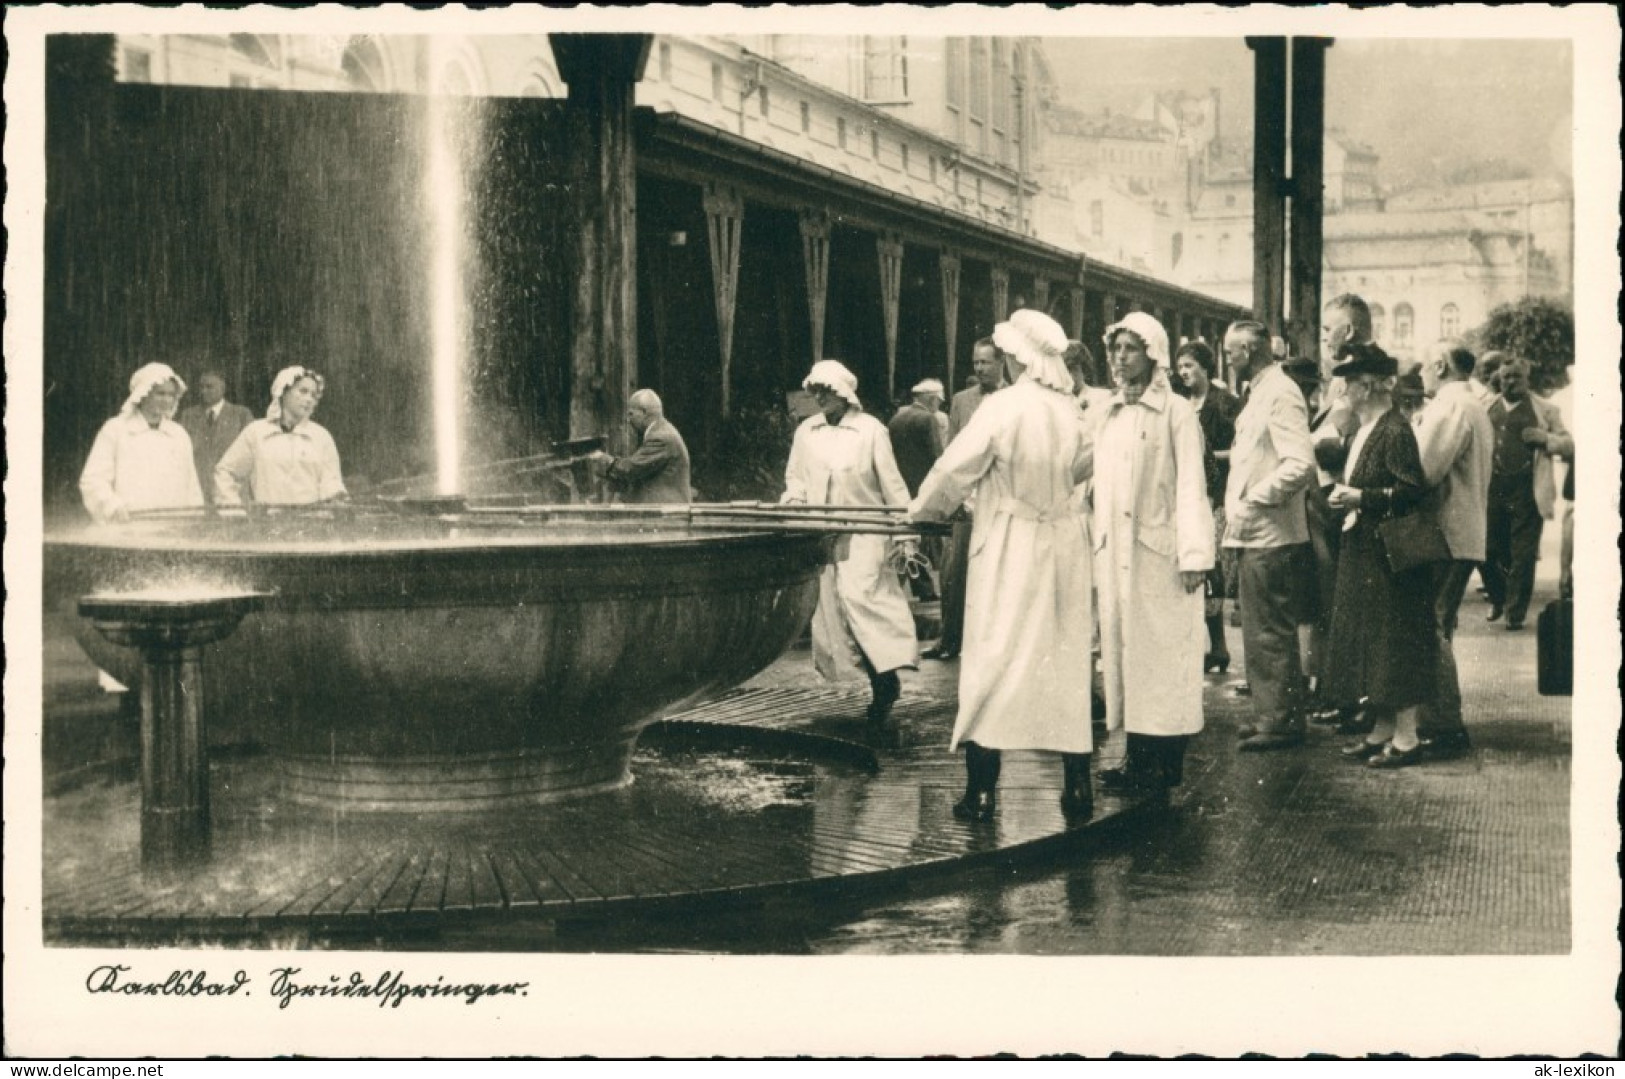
915 437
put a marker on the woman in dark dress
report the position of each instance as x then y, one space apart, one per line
1216 410
1382 643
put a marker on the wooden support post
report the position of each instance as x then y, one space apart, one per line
1308 192
1078 300
1041 294
602 71
1269 168
1001 293
815 260
724 220
176 830
1108 311
948 271
889 249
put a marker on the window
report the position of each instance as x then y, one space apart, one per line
1176 250
874 144
665 61
1097 219
977 105
806 118
932 158
999 90
761 100
1450 321
137 65
1222 255
885 69
956 88
716 82
1379 323
902 149
1404 321
840 132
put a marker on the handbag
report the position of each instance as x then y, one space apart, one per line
1413 540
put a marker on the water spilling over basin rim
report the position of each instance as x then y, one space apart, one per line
417 662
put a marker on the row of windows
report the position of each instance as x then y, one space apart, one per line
985 94
1405 323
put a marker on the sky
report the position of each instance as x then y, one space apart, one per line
1427 107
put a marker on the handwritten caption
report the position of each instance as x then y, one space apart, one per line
284 985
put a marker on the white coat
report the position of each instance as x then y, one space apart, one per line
1024 675
134 466
1152 520
861 603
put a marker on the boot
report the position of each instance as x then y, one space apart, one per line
1140 770
1171 758
1077 792
981 780
1218 653
886 688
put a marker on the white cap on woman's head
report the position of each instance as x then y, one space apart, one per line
833 373
145 380
1149 331
929 385
1038 343
285 378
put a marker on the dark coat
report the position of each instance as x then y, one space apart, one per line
1383 644
210 441
915 443
1218 421
658 471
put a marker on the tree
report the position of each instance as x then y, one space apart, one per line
1536 329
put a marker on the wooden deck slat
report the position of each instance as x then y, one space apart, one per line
486 888
367 898
431 893
397 898
546 889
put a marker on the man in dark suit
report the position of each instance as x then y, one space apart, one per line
657 471
988 370
213 425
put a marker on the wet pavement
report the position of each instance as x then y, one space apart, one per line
1290 853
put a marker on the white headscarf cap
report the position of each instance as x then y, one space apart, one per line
1039 344
145 380
834 374
929 385
1148 330
284 379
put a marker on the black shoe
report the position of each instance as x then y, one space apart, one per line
1396 758
981 781
886 689
1362 749
976 807
1170 753
1514 625
1077 792
940 652
1496 610
1246 730
1212 662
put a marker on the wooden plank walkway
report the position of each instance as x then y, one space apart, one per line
759 793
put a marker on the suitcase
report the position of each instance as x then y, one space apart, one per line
1554 640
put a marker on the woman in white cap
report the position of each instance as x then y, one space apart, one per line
843 456
142 459
287 458
1024 676
1154 546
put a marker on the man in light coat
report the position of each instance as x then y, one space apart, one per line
1529 431
658 470
1457 444
1271 463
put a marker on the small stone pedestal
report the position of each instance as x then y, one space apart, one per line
170 633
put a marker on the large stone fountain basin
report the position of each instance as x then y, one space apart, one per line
444 662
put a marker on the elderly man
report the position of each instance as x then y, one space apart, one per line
1523 494
915 438
142 459
1271 462
1457 444
988 373
657 471
213 425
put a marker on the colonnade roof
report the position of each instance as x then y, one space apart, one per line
678 147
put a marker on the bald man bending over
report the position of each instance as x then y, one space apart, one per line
658 470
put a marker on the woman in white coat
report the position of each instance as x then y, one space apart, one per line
141 459
1024 676
1153 540
843 456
